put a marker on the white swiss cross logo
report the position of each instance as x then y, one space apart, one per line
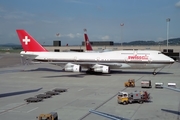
26 40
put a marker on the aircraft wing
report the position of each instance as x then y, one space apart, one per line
106 115
171 88
85 64
91 64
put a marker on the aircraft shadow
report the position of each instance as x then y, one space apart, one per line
81 75
84 73
136 72
9 71
54 70
171 111
72 75
19 92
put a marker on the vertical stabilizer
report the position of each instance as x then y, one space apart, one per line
29 43
87 43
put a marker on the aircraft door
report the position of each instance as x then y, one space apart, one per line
75 59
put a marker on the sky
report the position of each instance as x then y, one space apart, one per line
43 19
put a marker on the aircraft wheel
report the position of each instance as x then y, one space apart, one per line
89 72
154 73
140 102
124 103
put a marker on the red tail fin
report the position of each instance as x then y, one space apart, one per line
88 44
29 43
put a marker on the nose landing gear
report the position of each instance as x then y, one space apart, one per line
154 72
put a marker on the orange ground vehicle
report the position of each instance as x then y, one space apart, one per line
130 83
49 116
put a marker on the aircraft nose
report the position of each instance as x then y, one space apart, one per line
172 61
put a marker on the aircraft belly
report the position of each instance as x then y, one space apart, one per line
137 66
146 66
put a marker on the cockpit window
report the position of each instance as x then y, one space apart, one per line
159 53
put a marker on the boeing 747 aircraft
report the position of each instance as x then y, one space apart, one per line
93 61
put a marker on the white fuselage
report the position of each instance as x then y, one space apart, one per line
137 59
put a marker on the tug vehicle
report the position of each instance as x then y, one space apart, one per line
49 116
130 83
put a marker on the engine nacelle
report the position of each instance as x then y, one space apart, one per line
72 67
102 68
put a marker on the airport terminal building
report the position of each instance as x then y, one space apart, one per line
100 43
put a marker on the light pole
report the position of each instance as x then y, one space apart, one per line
122 24
168 21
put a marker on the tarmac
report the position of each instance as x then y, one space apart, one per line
85 92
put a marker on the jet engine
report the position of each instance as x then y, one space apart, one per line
72 67
102 68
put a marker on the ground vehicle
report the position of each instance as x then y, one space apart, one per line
123 98
59 90
52 93
136 96
145 96
43 96
50 116
173 85
146 84
33 99
130 83
159 85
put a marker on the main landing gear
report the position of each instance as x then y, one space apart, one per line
90 71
